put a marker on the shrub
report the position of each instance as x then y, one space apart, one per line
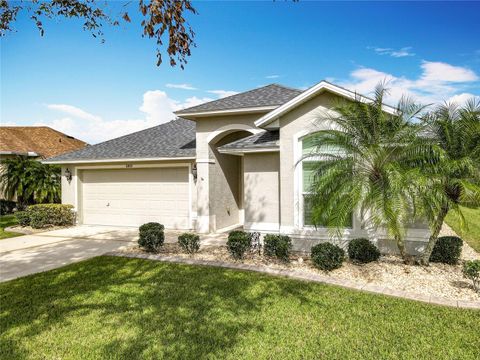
277 246
363 251
151 236
189 242
44 215
7 206
471 270
447 250
23 218
238 243
327 256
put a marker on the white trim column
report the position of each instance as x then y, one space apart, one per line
203 195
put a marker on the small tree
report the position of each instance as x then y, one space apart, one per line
30 181
454 177
364 162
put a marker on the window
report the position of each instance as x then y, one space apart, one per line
308 174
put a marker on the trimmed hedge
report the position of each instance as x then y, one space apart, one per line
44 215
362 250
447 250
327 256
278 246
7 206
23 218
238 243
151 236
189 242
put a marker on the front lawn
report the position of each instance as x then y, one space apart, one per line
111 307
471 234
6 221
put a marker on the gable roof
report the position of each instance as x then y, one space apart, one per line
260 141
310 93
40 140
175 139
264 98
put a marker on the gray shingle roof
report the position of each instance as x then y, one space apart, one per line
265 139
270 95
170 140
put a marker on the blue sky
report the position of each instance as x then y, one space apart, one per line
93 91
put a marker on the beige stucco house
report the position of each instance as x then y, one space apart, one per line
230 163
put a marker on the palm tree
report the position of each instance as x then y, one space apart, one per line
365 164
16 179
455 177
30 181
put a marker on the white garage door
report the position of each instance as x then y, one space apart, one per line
132 197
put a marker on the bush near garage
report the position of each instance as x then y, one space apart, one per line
327 256
363 251
151 236
278 246
45 215
190 243
238 243
447 250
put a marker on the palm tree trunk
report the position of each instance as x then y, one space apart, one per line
425 257
401 246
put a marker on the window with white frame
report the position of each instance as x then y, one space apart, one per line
308 166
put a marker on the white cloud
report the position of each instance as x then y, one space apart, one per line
223 93
439 71
181 86
438 82
403 52
462 98
73 111
156 106
272 76
192 101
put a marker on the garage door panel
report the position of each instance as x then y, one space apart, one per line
136 196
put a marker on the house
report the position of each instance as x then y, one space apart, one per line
35 141
229 163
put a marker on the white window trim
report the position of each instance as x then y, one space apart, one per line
299 193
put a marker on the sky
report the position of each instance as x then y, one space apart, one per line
72 82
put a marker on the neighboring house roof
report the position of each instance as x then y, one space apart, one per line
36 141
310 93
265 140
175 139
266 98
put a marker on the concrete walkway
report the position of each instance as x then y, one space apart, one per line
29 254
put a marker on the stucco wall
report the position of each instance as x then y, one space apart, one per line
305 119
261 191
212 181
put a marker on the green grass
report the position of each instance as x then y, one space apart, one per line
471 234
5 221
119 308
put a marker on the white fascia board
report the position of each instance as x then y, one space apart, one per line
247 151
310 93
225 112
117 160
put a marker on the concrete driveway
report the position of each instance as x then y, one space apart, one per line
28 254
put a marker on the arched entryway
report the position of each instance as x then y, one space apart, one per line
226 181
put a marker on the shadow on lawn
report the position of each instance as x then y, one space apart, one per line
145 308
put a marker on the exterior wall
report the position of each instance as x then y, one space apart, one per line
294 125
212 167
261 192
71 192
